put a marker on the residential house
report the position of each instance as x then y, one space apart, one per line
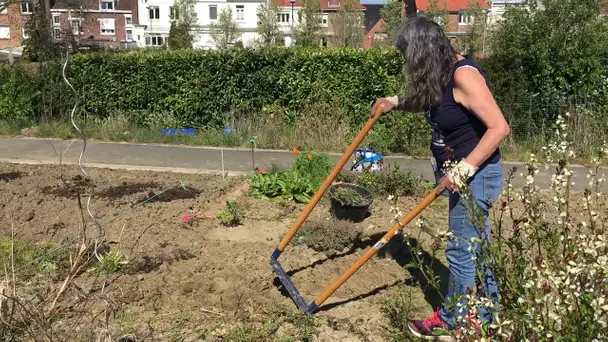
290 17
13 20
499 7
459 23
244 12
109 24
376 31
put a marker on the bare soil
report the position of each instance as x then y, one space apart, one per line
185 279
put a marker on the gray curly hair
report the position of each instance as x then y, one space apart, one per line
429 59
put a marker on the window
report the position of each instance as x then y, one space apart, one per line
5 32
240 12
212 12
333 3
155 40
27 7
56 20
284 17
76 25
107 27
5 10
25 32
106 4
130 35
154 13
463 18
173 13
56 33
128 20
323 21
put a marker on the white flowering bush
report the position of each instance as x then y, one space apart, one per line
549 253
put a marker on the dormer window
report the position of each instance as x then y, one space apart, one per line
106 4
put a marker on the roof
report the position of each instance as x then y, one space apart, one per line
452 5
325 4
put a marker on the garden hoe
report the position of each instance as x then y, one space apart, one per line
278 269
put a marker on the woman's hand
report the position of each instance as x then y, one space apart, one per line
388 104
444 183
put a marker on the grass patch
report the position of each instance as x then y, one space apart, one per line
32 259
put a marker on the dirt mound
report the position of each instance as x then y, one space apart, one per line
330 235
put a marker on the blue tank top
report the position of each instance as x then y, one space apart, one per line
456 130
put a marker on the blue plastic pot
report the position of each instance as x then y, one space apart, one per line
229 129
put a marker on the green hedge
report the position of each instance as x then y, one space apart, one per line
203 88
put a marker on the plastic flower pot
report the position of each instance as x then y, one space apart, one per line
228 130
345 212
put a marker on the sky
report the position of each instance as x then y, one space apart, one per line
373 2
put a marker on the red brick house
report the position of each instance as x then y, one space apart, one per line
103 23
13 19
290 14
458 25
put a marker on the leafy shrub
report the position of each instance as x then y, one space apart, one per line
313 166
232 215
390 182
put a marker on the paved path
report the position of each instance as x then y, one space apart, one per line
197 159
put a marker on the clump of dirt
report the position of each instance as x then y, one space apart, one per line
70 189
9 176
329 235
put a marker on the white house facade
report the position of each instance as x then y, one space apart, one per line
244 13
499 7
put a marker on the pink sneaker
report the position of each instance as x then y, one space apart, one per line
425 329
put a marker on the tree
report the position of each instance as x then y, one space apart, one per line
40 46
184 18
306 33
473 42
348 26
393 14
548 56
268 25
439 14
226 31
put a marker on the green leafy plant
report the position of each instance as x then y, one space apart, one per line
109 263
283 186
313 166
232 215
389 182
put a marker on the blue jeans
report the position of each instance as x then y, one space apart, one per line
484 187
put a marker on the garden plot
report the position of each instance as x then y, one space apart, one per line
200 279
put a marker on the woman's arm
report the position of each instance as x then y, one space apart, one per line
390 104
471 91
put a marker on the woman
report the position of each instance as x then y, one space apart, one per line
468 128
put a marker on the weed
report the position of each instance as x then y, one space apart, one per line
398 310
348 197
109 263
328 236
391 182
232 215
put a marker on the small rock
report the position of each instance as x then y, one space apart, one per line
269 239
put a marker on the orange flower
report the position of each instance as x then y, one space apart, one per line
296 151
309 156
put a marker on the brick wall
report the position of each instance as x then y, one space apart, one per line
13 19
91 26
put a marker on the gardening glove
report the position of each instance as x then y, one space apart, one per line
460 174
